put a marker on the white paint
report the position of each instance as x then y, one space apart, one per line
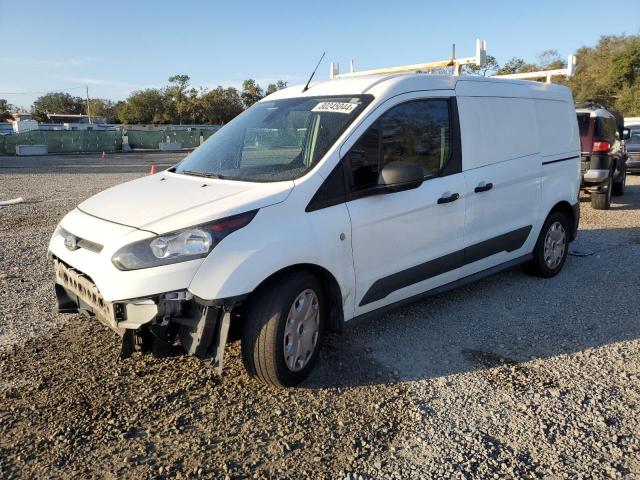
508 128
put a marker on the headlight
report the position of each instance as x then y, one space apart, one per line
180 246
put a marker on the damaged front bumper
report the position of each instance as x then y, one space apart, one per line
157 323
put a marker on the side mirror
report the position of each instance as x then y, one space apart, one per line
399 176
626 133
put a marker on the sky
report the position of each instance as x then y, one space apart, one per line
117 47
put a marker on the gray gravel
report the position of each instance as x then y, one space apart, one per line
512 376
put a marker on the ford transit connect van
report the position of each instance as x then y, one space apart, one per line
316 207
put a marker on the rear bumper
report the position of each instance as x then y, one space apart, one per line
595 169
595 176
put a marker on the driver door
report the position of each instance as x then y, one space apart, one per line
407 242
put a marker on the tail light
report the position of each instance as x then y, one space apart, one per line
601 147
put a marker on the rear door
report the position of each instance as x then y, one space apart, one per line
406 242
502 168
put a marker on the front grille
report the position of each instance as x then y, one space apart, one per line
89 245
83 287
80 242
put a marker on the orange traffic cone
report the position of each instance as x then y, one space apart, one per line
153 170
104 155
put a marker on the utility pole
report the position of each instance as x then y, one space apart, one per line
88 110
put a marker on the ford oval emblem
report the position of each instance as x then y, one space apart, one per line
71 242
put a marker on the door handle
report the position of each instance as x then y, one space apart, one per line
483 187
451 198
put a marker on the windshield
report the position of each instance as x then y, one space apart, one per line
275 140
634 137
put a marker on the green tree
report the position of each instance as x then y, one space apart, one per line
145 106
221 105
177 92
251 92
274 87
628 100
6 107
609 73
102 108
550 60
56 102
513 65
490 67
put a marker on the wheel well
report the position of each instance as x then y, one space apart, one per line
335 317
566 209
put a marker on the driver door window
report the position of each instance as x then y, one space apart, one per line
416 132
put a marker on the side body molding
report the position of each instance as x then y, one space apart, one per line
508 242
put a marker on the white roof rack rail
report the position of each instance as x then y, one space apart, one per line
567 72
479 59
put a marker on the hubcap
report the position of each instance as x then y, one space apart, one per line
555 243
301 330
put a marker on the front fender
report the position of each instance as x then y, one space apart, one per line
278 237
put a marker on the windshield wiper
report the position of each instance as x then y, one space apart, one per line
203 174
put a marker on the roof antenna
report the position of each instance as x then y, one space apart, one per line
306 87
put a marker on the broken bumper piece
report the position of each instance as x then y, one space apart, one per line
160 323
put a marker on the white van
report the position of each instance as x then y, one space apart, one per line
317 207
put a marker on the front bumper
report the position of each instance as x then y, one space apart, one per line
76 293
149 323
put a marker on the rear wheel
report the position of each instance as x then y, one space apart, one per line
618 187
602 201
283 329
552 246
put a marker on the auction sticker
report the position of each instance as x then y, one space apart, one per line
335 107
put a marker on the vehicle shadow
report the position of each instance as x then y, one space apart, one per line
507 319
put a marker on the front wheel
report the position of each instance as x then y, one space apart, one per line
283 329
552 246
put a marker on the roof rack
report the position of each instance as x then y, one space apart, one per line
479 59
567 72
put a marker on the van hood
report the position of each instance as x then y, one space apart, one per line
168 201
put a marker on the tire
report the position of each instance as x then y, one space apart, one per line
618 187
602 201
268 321
540 265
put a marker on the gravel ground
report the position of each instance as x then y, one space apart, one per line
512 376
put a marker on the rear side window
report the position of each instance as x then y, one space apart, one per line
418 132
583 124
606 128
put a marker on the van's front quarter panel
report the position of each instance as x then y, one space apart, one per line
281 236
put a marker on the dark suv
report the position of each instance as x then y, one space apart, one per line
603 154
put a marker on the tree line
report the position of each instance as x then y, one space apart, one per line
608 73
176 103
